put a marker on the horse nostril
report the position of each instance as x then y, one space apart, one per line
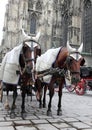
28 69
75 80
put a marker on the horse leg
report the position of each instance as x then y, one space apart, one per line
44 96
40 97
51 93
1 94
39 86
1 91
59 111
23 112
7 101
12 114
49 112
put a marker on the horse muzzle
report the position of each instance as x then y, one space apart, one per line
28 69
75 78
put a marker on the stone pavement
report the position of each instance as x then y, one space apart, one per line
76 114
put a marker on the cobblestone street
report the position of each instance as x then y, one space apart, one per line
76 114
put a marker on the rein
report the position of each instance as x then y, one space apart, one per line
52 71
58 70
75 72
65 65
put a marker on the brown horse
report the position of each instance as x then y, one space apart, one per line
67 59
24 74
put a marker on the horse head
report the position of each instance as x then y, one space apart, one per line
74 60
30 50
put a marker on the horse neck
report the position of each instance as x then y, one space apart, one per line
61 58
21 61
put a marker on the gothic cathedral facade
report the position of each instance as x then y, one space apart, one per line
57 20
33 16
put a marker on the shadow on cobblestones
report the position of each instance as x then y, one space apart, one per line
76 114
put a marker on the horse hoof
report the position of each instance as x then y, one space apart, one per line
59 112
40 106
7 107
23 115
14 106
12 115
49 113
44 105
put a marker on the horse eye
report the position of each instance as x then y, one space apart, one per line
69 60
82 62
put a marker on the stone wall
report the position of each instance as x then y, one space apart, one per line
18 16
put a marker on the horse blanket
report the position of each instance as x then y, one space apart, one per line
10 65
45 62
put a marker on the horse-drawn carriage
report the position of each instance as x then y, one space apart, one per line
85 83
59 61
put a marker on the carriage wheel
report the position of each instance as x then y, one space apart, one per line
70 88
80 89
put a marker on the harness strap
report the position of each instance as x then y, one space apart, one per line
54 63
27 60
75 72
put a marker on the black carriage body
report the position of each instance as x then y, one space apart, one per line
86 73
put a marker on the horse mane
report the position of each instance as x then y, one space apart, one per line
57 62
21 61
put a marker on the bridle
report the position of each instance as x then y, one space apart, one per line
72 56
30 69
31 49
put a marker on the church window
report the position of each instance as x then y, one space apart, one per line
33 24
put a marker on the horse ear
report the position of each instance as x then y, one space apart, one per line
70 49
80 48
37 36
25 36
82 62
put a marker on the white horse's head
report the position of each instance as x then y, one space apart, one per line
71 49
75 53
74 61
27 38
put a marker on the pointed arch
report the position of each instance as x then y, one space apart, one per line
30 4
33 22
38 6
87 3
